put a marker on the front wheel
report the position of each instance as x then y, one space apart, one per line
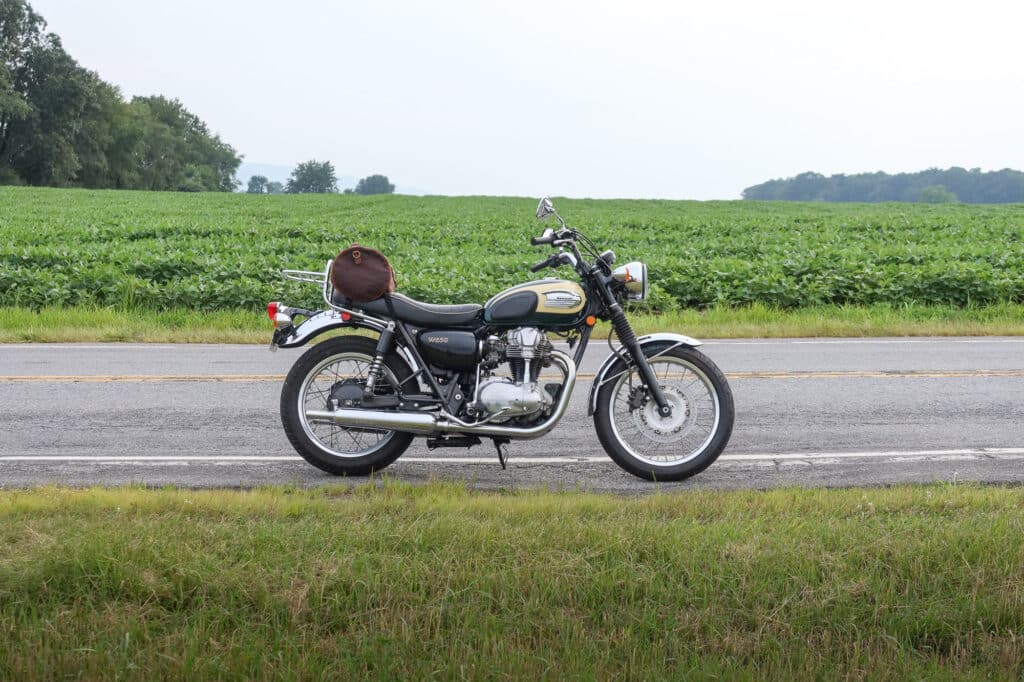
671 448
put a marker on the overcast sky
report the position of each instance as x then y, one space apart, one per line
633 98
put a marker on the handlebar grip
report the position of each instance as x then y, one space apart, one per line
537 241
541 265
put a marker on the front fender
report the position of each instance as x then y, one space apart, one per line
293 337
613 367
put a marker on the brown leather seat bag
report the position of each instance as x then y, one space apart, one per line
362 274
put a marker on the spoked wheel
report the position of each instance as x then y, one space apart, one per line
330 374
659 448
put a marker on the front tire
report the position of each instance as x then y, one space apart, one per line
671 448
334 368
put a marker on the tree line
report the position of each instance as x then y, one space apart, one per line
62 125
317 177
930 186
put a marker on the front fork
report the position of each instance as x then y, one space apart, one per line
629 342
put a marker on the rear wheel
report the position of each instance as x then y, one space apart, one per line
680 445
335 370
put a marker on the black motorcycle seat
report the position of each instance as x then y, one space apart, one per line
417 313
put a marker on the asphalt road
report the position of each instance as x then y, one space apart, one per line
836 412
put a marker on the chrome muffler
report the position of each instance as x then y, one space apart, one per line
431 423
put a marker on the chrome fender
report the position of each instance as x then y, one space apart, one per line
661 342
311 327
293 337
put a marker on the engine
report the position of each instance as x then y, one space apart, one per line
527 350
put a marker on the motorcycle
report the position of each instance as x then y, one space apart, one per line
454 374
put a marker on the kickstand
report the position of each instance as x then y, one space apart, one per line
501 445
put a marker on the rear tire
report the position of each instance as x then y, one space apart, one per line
335 449
655 448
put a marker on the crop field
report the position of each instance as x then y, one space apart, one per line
158 251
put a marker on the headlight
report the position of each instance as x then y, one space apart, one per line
634 276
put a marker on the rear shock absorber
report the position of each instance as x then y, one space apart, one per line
383 348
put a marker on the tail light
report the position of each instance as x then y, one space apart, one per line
279 314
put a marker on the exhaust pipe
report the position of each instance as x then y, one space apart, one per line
429 423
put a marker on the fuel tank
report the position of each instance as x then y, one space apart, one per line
558 303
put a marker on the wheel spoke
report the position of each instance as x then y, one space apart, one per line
344 369
676 438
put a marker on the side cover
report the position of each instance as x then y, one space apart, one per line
653 345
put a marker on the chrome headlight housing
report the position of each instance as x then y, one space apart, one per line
634 276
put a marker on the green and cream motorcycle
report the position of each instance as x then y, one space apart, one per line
456 374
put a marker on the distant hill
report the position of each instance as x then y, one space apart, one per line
933 185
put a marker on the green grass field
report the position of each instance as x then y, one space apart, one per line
403 582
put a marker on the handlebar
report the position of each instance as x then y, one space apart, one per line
551 236
547 262
557 238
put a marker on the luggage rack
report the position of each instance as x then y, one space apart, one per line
327 289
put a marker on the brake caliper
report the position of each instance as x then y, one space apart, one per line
637 397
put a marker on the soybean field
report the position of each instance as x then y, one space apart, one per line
154 251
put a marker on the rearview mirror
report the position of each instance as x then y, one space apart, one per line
545 208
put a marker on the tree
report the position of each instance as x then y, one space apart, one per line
46 95
956 184
21 34
274 187
313 177
180 152
257 185
375 184
60 124
937 194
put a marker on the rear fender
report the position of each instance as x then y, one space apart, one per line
288 336
652 345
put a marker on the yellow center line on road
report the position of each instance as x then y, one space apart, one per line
734 376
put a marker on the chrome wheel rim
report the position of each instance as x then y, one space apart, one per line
666 441
315 393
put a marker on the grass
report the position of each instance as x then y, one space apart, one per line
403 582
757 321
